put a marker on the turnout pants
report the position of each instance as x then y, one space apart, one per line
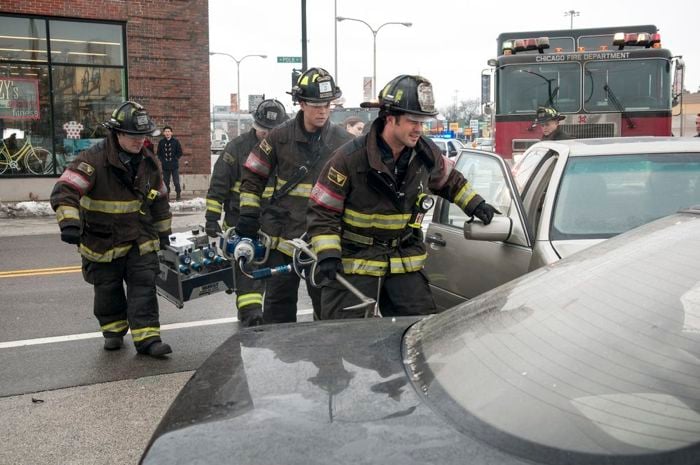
399 295
281 293
117 311
249 299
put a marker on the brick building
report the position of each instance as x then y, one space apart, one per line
66 64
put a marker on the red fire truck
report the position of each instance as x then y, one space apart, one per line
607 82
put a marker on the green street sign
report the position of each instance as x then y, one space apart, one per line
288 59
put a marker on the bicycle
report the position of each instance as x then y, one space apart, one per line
34 160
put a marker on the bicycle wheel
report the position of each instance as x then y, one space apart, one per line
38 161
4 162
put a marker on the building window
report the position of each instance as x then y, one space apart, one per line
59 80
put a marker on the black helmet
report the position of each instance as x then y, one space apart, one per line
131 118
545 114
270 113
407 94
315 85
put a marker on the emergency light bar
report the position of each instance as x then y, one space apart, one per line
511 47
641 39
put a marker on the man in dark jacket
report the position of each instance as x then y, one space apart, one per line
112 203
224 194
548 118
169 153
364 210
292 155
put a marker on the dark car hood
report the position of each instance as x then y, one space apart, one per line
332 392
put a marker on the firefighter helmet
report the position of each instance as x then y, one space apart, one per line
270 113
131 118
315 85
545 114
408 94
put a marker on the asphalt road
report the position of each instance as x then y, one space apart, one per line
64 400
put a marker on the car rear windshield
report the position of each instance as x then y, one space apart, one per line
601 196
588 361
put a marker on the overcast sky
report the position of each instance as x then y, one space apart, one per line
449 42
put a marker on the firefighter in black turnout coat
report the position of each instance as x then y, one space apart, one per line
291 156
113 204
224 194
363 210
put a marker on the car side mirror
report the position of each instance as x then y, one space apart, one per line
453 153
497 231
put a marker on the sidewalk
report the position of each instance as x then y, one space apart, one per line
33 218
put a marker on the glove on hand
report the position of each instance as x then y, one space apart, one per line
164 242
248 226
485 212
71 235
212 228
328 267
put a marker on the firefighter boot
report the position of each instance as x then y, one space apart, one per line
156 349
250 317
113 343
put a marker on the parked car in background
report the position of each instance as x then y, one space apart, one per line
594 360
561 197
448 147
218 142
483 143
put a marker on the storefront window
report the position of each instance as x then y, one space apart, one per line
84 98
88 43
52 104
22 39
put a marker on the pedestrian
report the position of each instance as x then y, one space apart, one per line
112 203
169 153
697 125
354 125
224 194
365 209
292 155
548 118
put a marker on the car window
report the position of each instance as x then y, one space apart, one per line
602 196
486 178
526 166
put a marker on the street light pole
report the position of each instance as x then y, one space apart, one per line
374 45
238 83
572 13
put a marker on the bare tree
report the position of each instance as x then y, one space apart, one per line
462 111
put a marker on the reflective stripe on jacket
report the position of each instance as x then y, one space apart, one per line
357 213
96 193
276 160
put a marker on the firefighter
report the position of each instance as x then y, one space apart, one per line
364 211
548 118
292 155
113 204
223 194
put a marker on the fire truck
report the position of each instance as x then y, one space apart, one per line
608 82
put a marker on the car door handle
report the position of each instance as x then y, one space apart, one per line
436 239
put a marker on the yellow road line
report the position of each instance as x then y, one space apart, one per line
40 271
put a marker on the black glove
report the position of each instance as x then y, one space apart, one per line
164 242
212 228
328 267
485 212
248 226
71 235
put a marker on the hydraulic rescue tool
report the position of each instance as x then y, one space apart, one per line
247 253
191 267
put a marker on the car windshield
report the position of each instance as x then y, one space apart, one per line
601 196
588 361
523 88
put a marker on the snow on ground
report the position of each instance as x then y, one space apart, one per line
30 209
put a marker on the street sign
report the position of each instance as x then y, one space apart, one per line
288 59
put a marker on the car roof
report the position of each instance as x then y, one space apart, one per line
624 145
